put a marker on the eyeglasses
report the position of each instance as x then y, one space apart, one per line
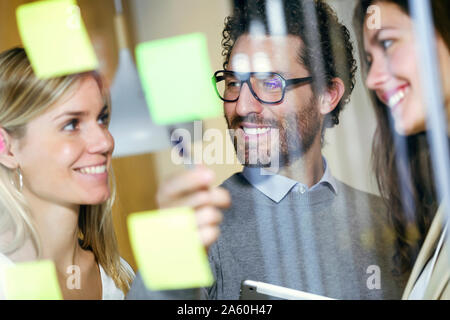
266 87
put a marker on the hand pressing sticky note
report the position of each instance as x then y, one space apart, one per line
32 281
176 78
55 38
168 250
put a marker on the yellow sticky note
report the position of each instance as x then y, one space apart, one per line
176 79
55 38
168 249
32 281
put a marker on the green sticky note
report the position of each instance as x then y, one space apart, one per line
168 249
176 78
32 281
55 38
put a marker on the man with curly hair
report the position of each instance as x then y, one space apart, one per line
291 223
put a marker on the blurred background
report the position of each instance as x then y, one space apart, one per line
348 145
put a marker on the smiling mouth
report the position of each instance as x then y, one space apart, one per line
255 131
397 98
93 170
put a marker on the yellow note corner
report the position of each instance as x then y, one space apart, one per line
168 250
32 281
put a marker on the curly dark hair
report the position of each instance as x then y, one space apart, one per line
320 33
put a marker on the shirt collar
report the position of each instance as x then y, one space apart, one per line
276 186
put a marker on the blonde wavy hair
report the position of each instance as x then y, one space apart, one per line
22 98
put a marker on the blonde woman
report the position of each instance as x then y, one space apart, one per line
56 185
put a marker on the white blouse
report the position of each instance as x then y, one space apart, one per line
109 289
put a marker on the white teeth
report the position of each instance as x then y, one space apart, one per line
93 170
256 130
395 99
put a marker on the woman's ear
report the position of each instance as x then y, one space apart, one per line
6 156
330 99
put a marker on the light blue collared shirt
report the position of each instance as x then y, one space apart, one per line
276 186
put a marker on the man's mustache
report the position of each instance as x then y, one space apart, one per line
252 118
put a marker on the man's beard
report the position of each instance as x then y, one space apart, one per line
297 132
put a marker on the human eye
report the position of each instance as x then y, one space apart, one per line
386 43
104 119
233 83
272 84
72 125
269 82
369 60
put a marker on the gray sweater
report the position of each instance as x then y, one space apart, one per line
338 246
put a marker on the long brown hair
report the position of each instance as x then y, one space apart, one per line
402 164
23 97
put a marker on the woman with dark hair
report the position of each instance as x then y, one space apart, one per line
401 157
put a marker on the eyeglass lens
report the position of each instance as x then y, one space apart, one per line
267 86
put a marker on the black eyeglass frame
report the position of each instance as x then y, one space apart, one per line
285 83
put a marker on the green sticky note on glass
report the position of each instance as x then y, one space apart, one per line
168 250
32 281
55 38
176 78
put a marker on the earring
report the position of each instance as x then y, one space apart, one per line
19 173
20 180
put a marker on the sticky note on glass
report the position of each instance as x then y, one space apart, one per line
32 281
55 38
168 249
176 78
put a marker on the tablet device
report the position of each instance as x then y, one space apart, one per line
254 290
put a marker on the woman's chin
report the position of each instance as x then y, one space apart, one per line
97 199
409 128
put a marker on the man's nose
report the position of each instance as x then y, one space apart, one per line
247 103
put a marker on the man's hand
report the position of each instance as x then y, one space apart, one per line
193 189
